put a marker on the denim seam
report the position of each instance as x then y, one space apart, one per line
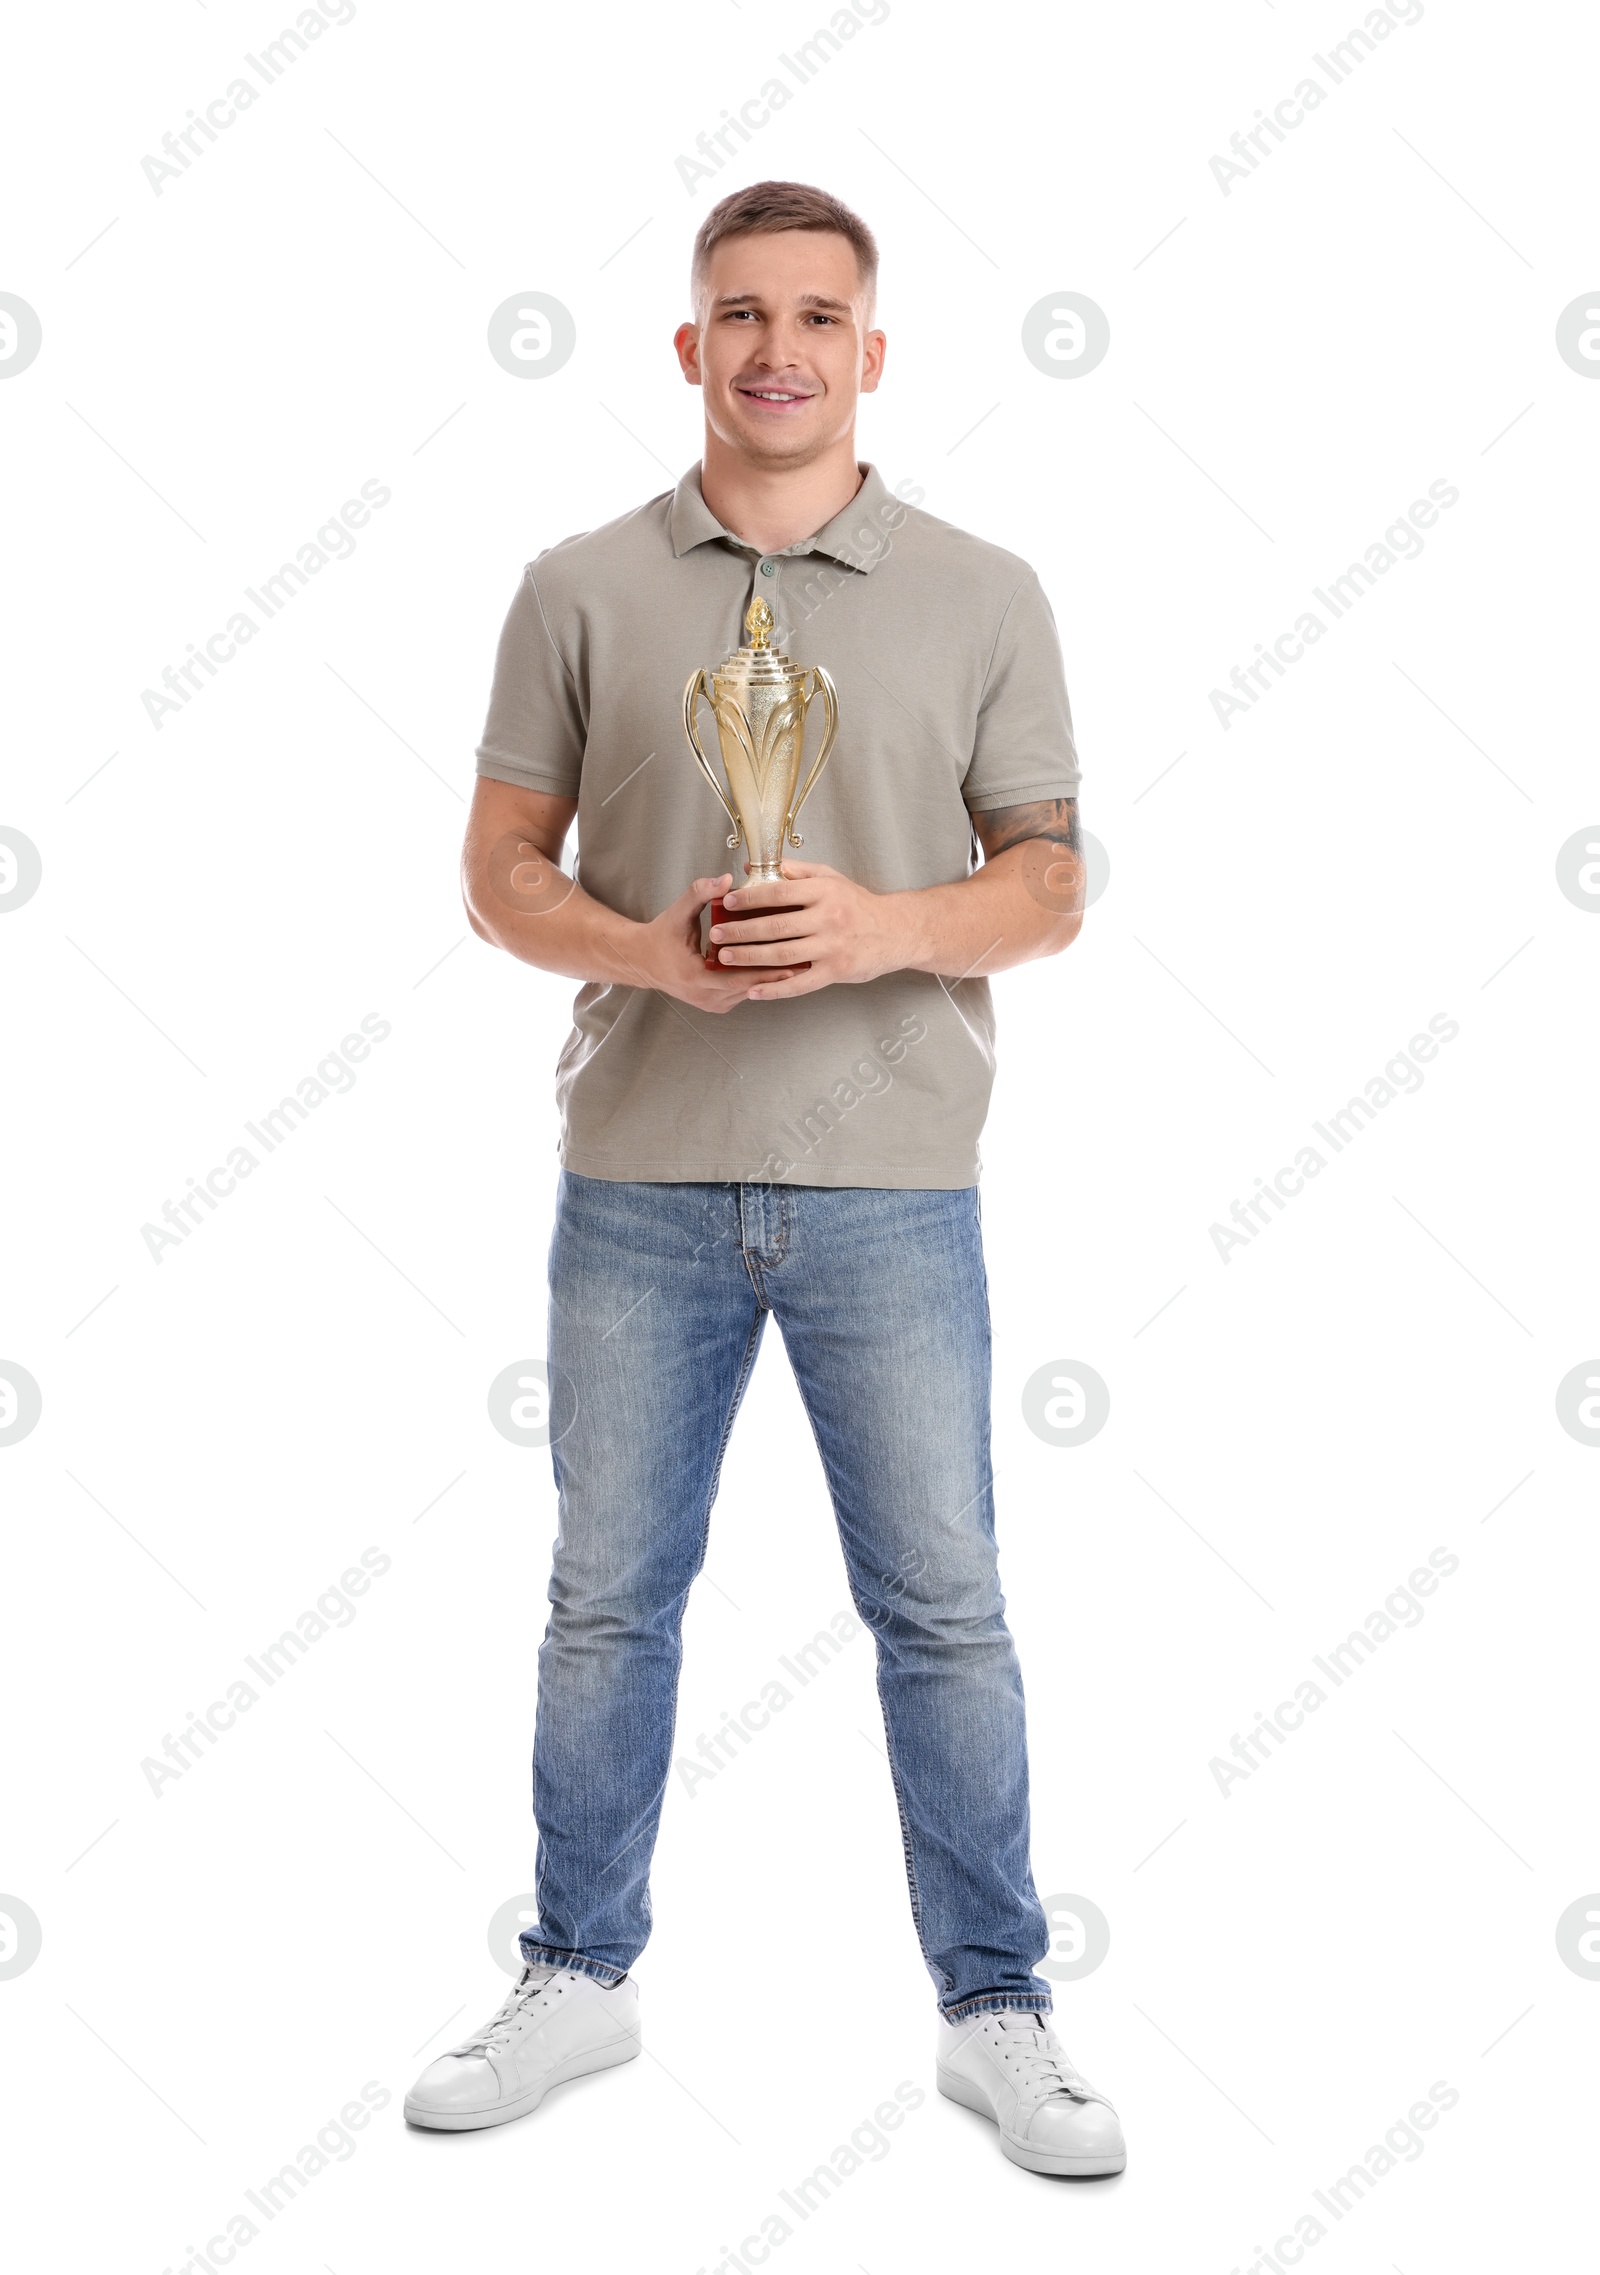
751 1260
757 1260
905 1832
994 2002
745 1365
785 1204
597 1969
938 1975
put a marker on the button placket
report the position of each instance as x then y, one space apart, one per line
769 584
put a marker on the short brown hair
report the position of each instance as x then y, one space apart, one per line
765 208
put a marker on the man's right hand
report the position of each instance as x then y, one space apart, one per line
672 961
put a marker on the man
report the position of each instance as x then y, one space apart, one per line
793 1130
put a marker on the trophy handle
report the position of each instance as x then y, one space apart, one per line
820 682
691 699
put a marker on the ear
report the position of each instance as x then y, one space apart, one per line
686 340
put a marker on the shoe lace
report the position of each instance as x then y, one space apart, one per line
534 1985
1036 2062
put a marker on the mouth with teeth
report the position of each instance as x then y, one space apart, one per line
776 401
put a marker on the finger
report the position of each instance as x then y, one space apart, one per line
781 957
780 985
720 999
752 926
709 888
764 894
767 954
725 979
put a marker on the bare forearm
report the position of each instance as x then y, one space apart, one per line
1013 909
544 917
520 899
1027 900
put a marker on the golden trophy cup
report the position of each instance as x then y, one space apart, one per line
760 698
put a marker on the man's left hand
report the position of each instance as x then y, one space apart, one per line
843 931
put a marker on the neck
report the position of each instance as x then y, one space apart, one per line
774 506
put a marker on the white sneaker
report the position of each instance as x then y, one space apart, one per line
557 2024
1010 2068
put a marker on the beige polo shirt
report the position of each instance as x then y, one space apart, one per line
951 701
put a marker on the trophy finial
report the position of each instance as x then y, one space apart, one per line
757 623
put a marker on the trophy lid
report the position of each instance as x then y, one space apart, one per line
757 659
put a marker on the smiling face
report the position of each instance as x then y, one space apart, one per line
782 347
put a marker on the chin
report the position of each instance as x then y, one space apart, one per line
774 441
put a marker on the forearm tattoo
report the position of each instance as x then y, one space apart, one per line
1053 819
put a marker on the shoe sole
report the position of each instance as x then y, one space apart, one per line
954 2087
505 2112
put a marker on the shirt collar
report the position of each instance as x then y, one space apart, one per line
857 536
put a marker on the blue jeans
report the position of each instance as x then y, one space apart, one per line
658 1297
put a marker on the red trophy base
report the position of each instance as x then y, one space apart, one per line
719 915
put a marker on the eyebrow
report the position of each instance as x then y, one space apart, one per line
806 300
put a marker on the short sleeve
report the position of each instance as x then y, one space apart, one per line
534 734
1023 749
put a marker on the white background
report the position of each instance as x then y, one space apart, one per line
1291 1430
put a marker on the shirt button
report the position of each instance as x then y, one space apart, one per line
769 568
